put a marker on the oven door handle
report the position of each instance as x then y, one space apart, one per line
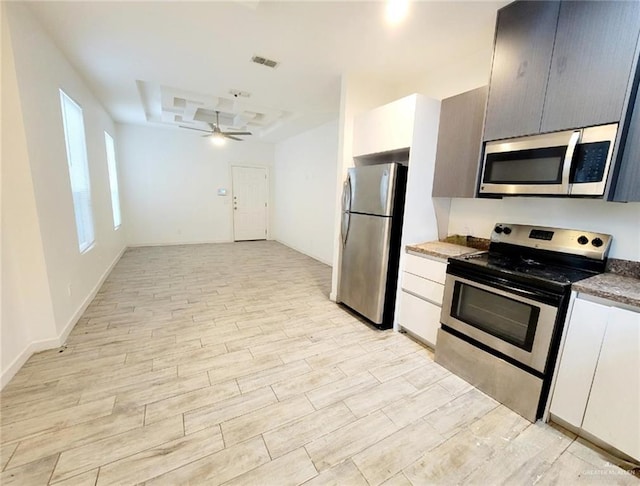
530 294
568 158
504 289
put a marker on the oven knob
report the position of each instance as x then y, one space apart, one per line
597 242
497 229
507 230
583 240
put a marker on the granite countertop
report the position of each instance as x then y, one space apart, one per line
441 249
612 286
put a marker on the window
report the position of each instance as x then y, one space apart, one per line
113 180
78 170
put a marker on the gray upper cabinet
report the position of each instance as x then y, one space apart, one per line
560 65
459 143
523 48
628 187
591 65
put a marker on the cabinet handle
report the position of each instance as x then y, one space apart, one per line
562 65
522 69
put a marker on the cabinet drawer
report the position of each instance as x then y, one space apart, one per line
420 317
425 268
428 289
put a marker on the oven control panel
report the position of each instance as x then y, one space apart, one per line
576 242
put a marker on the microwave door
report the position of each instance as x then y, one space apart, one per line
538 165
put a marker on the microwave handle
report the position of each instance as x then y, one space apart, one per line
568 157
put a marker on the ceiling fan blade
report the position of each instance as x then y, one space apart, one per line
237 133
232 138
191 128
205 136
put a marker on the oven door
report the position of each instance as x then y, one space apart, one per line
506 321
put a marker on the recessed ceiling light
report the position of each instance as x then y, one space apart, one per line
396 11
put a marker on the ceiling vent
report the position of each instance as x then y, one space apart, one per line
236 93
264 61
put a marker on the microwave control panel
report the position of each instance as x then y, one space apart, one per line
589 162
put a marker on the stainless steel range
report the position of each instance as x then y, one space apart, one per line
504 309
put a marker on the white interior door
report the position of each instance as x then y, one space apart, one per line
249 203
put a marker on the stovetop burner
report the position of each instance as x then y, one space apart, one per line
526 268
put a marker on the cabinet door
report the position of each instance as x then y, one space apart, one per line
426 268
521 58
459 140
386 128
628 181
423 288
420 317
591 65
577 365
613 411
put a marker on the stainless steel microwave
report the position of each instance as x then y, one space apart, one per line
569 163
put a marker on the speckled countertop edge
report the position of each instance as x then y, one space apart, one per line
611 286
440 249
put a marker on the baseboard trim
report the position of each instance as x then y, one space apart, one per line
62 337
178 243
321 260
53 343
22 358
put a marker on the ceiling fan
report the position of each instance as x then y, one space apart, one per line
218 136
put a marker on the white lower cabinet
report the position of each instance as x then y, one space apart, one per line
586 329
613 409
427 289
425 267
420 317
598 383
421 297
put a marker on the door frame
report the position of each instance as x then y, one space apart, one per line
267 170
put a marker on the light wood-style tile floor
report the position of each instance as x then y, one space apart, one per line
227 364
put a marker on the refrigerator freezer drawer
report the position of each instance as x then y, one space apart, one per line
365 260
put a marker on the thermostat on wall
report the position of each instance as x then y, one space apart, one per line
222 192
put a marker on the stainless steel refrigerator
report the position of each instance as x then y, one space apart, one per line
372 209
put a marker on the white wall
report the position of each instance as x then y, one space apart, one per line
478 216
27 310
420 214
305 191
457 77
39 154
170 179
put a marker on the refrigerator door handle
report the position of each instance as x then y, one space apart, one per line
344 228
346 195
384 189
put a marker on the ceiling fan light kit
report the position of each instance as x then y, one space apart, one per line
217 139
217 136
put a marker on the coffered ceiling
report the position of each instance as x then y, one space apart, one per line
177 63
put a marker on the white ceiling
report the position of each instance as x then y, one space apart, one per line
173 63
